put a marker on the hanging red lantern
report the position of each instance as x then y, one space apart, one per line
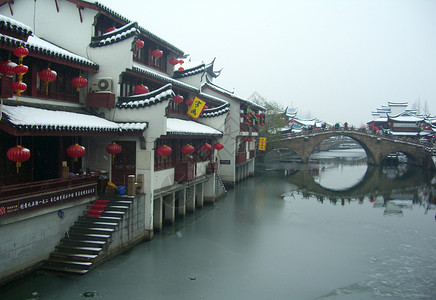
47 76
76 151
79 82
257 115
206 147
20 70
205 107
113 149
19 88
189 101
139 44
178 99
110 29
181 61
140 89
157 53
174 61
21 52
164 151
218 146
261 124
248 139
7 68
181 69
18 154
187 149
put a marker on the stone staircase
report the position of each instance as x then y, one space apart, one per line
88 238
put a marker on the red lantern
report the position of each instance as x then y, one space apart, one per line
248 139
20 70
140 89
187 149
7 68
47 76
157 53
257 115
110 29
218 146
19 88
181 61
114 149
174 61
189 101
164 151
21 52
18 154
75 151
205 147
181 69
79 82
139 44
178 99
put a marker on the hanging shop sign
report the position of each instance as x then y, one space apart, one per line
196 108
262 144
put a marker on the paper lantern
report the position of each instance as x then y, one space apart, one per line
110 29
18 154
187 149
113 149
20 70
178 99
79 82
21 52
140 89
47 76
157 53
139 44
189 101
218 146
164 151
76 151
181 61
19 88
206 147
174 61
7 68
181 69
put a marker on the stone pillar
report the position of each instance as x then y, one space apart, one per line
157 213
209 189
169 209
199 195
190 198
181 202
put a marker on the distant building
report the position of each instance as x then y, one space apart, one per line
297 125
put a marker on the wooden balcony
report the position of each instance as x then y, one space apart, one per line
241 157
100 100
184 171
23 198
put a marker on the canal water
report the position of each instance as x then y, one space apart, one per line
333 229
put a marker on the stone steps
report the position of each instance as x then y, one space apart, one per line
89 236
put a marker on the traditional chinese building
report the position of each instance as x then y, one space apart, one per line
95 100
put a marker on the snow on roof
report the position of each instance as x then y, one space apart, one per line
14 25
214 112
117 35
183 127
37 119
143 100
406 119
38 45
141 69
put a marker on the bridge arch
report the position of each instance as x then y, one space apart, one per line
376 147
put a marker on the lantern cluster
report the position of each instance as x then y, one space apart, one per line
9 68
174 61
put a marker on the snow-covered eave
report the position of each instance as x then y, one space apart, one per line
215 112
142 70
104 9
230 95
164 93
43 49
120 34
25 120
14 26
178 127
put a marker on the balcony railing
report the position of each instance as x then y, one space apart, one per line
22 198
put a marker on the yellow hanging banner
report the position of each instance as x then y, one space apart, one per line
262 144
196 108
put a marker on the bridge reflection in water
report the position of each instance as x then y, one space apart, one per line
330 179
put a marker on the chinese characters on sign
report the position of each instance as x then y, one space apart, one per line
262 143
196 108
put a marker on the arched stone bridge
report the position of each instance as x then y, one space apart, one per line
377 147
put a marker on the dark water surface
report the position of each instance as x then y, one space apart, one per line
367 234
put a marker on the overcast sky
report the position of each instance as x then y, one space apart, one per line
337 60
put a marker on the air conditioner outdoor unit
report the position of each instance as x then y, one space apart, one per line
102 84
